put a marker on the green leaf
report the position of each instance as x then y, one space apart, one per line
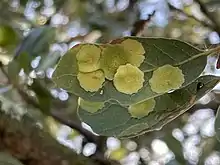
48 61
7 159
37 42
158 52
114 119
43 95
8 36
176 147
217 124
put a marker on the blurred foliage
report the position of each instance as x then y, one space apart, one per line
189 139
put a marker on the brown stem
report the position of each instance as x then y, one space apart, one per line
32 146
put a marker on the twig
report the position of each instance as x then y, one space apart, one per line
209 15
139 25
89 136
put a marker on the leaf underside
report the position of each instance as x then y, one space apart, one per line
158 52
114 119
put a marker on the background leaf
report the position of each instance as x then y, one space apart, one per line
217 124
7 159
35 44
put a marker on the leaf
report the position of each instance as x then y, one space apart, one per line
176 147
217 124
35 44
114 119
7 159
43 95
159 51
48 61
8 36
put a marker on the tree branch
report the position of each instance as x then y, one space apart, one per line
29 144
89 136
139 26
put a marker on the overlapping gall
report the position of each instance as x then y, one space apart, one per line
113 56
88 58
137 51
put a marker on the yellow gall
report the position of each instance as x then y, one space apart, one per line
89 106
142 109
128 79
92 81
137 51
113 56
88 58
166 78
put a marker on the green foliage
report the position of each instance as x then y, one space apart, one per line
168 65
159 52
8 36
217 124
115 120
7 159
37 42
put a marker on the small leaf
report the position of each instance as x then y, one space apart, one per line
115 120
8 36
7 159
158 52
217 124
43 95
48 61
37 42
